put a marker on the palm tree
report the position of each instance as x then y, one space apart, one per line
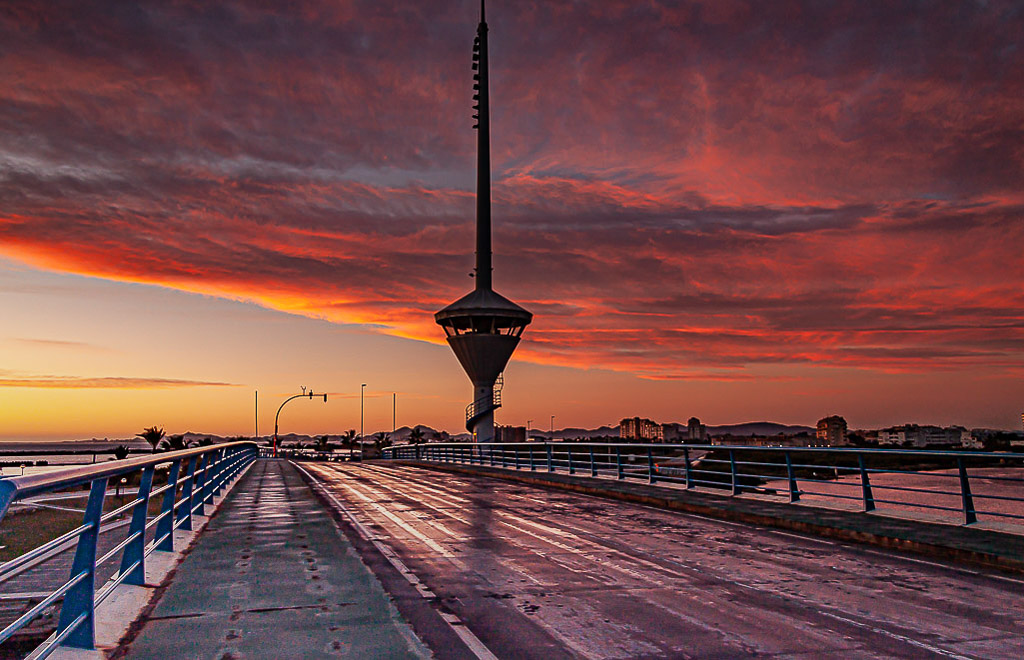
175 443
416 435
323 443
381 439
152 435
121 452
348 439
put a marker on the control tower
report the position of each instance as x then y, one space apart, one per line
483 327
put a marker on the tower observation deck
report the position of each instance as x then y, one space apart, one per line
483 327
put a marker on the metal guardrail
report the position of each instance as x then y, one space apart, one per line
207 470
986 484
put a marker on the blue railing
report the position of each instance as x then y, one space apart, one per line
965 483
193 478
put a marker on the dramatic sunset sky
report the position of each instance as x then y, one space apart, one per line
739 211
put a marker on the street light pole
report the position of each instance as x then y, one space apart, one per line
528 429
361 390
394 405
309 394
552 430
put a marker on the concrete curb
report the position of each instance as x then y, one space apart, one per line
975 547
127 604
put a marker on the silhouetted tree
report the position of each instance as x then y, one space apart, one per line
175 443
348 440
323 443
152 435
121 452
416 435
206 442
381 440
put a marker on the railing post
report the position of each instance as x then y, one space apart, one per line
551 465
865 482
490 455
970 516
650 467
227 465
732 470
686 467
619 474
199 489
133 561
224 465
532 466
593 463
80 598
186 497
568 454
165 528
794 491
517 458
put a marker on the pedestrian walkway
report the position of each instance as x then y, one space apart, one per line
968 544
272 577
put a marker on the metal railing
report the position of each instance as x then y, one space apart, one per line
193 478
957 485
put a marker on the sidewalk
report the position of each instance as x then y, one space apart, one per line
971 545
272 577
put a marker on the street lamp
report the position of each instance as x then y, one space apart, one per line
309 394
361 390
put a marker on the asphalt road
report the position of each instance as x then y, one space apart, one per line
523 572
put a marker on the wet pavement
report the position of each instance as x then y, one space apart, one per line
980 544
272 577
540 573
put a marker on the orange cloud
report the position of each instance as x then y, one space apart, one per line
679 191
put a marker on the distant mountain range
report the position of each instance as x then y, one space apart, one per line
403 433
746 429
759 428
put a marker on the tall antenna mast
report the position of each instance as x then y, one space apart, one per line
483 155
483 327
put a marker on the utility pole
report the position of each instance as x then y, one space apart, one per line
361 390
309 394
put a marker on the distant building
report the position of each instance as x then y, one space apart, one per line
832 431
695 431
641 428
918 437
509 433
673 432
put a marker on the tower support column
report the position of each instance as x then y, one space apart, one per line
483 400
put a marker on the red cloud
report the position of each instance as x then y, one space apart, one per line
680 191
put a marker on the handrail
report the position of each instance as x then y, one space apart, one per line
35 484
218 465
790 474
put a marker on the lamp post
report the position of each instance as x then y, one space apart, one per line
528 429
361 390
309 394
552 430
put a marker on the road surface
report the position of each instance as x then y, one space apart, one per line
532 573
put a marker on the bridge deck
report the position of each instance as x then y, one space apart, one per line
272 577
980 544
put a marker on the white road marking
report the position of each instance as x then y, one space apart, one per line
505 517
